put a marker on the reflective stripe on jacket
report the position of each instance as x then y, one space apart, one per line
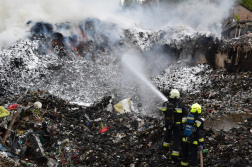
180 111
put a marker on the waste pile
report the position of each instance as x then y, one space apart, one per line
183 77
54 56
50 131
90 38
22 68
228 93
228 148
52 128
240 43
219 91
237 53
176 37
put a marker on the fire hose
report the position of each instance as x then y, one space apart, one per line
201 158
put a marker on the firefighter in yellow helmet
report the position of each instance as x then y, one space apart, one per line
193 136
173 110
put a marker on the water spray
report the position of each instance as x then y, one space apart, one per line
133 63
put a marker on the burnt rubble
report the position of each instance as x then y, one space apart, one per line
92 37
236 53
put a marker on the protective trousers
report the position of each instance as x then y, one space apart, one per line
174 133
193 150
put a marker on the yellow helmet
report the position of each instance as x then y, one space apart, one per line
174 94
195 108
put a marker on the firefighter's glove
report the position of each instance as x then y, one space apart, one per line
201 147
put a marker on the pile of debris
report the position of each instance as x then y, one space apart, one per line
228 148
51 131
218 91
184 78
56 55
22 69
228 93
240 43
89 38
46 130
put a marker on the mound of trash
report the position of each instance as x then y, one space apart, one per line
227 93
55 55
39 129
23 69
176 37
184 78
50 131
88 114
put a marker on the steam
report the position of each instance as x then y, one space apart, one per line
200 15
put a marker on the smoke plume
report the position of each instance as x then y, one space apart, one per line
15 14
199 15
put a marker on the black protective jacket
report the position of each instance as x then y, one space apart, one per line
180 112
198 135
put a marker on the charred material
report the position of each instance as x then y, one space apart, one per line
88 38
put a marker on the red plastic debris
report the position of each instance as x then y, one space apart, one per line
75 160
104 129
13 107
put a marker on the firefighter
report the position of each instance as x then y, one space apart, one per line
195 141
173 110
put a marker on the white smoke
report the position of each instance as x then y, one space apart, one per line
200 15
14 14
197 14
